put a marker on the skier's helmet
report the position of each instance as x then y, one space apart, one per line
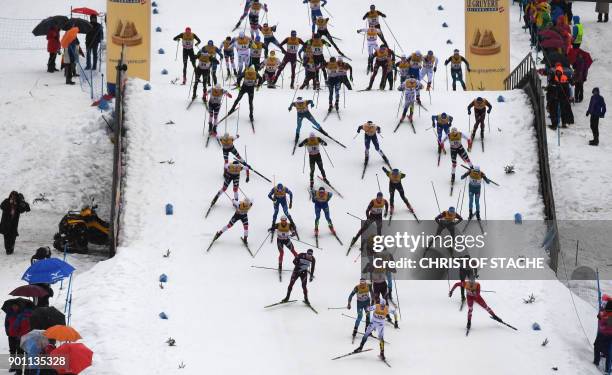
236 162
257 38
246 201
309 251
211 43
322 189
369 121
430 53
456 51
383 302
395 171
228 38
279 186
479 99
293 33
265 24
332 59
188 29
595 90
379 194
272 53
477 168
362 281
372 7
443 115
472 276
451 209
299 99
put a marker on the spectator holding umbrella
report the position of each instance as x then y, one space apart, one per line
17 324
92 42
12 208
602 8
597 110
53 47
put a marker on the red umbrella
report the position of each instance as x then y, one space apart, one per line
78 358
86 11
29 291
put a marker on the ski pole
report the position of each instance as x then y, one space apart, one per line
260 246
327 11
176 53
469 123
399 309
225 130
344 100
191 84
446 70
435 195
364 39
328 158
400 104
356 217
393 35
297 86
306 243
237 120
378 182
304 164
489 124
337 308
484 196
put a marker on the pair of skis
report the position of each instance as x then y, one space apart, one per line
467 330
361 351
329 113
244 242
400 122
411 211
292 301
479 224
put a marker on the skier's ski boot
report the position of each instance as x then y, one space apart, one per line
354 332
193 96
316 232
410 117
245 240
337 106
184 80
391 210
331 229
251 117
331 107
292 87
284 300
496 318
428 86
452 178
280 266
353 240
478 215
402 118
359 349
386 160
306 301
471 215
217 235
469 324
204 97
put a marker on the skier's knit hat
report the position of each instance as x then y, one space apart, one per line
309 251
188 29
595 90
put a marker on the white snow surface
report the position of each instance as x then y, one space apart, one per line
215 301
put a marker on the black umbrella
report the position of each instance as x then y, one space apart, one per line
22 302
45 317
43 27
83 25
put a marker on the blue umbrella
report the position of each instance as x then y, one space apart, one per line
34 342
48 271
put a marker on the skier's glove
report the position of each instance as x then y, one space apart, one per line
488 111
229 95
469 112
289 109
435 68
311 277
348 307
290 204
469 145
395 325
247 179
311 104
450 294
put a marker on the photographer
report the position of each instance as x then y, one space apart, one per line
12 208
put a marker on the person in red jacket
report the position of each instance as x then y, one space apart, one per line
472 289
53 47
603 341
17 324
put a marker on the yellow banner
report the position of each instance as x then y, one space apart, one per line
487 43
129 25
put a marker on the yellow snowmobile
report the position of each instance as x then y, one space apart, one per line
79 228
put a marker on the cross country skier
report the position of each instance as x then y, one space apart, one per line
278 196
382 56
293 46
312 144
412 94
476 178
472 288
454 138
229 44
333 83
304 264
311 69
251 79
232 174
403 66
374 214
430 66
187 39
321 203
213 51
271 64
372 34
416 63
363 290
395 184
245 12
442 123
448 220
227 145
284 232
254 11
373 20
465 273
268 34
315 10
381 286
301 107
379 314
391 74
243 44
456 71
202 69
317 44
242 214
256 52
343 68
215 98
322 30
481 108
370 131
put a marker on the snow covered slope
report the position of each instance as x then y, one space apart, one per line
215 301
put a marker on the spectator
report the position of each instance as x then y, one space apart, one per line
92 42
580 74
577 32
17 324
559 97
53 47
70 59
12 208
597 110
603 340
602 8
41 253
43 301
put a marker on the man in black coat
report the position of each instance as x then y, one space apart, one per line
92 42
12 208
